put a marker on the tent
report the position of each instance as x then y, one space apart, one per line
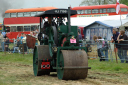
98 28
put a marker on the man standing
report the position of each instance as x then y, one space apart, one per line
114 40
80 38
2 41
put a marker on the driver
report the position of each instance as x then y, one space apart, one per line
50 20
44 34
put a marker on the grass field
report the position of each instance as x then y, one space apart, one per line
16 69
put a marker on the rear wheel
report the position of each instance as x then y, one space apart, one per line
40 52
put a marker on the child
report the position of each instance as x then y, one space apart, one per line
99 46
104 49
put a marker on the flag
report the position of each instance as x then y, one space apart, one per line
117 6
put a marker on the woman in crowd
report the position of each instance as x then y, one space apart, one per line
24 42
123 46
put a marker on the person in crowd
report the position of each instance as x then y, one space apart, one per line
114 37
21 37
24 42
16 48
123 47
104 49
114 40
31 33
3 33
5 36
36 34
80 38
99 46
2 41
18 36
37 31
7 44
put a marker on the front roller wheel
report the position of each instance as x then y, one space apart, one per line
73 63
40 52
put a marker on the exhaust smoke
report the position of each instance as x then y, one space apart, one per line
8 4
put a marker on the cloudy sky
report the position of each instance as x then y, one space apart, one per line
16 4
55 3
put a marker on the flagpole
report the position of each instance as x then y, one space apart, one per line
120 17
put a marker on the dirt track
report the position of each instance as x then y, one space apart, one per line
14 74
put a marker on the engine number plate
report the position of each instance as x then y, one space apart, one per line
72 40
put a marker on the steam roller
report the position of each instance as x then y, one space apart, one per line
59 49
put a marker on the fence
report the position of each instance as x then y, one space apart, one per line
16 47
113 53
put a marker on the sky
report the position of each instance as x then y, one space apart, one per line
54 3
16 4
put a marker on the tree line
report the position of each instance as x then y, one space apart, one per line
101 2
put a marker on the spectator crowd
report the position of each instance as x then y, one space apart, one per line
120 40
20 42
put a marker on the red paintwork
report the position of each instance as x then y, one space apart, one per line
81 30
63 41
21 20
99 7
45 65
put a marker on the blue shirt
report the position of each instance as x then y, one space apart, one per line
99 43
80 37
21 39
3 33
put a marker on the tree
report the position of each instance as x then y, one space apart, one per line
97 2
124 2
101 2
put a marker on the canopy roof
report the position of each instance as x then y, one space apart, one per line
115 23
98 22
56 13
111 23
